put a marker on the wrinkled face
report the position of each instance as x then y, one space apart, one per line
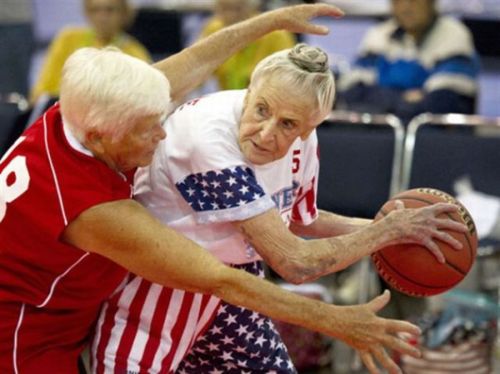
107 17
274 116
136 148
232 11
414 16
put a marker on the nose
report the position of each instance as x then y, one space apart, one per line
268 131
160 133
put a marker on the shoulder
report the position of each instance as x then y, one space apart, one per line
310 145
447 24
72 32
202 135
217 106
377 38
206 121
53 162
135 48
449 37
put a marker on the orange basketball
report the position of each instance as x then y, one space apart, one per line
413 269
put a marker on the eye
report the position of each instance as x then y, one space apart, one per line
261 110
288 124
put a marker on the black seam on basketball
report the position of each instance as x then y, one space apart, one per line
378 260
469 246
409 279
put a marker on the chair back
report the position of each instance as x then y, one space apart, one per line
360 162
439 150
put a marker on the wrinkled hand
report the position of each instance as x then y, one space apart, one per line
371 336
422 226
297 18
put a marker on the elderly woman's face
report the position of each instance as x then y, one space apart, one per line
137 147
274 116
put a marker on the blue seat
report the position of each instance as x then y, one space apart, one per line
441 149
360 162
13 109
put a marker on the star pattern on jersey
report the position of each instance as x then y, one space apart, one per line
220 189
239 341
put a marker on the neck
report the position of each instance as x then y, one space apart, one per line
99 153
104 40
420 33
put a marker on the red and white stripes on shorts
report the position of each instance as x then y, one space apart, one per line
149 328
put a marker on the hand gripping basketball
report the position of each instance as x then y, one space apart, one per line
412 268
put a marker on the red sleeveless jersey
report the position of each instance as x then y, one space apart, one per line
50 292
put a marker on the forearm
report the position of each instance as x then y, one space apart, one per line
317 257
241 288
329 255
328 225
124 232
298 260
192 66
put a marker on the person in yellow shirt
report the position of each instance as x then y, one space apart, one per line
235 72
107 21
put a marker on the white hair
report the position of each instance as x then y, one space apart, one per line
302 68
105 90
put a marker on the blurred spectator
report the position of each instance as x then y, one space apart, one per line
235 72
107 19
16 45
418 61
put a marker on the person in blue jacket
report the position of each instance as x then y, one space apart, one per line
417 61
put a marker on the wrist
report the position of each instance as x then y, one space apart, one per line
265 22
385 232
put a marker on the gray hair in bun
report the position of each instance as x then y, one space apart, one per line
311 59
302 68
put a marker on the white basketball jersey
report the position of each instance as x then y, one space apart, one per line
199 181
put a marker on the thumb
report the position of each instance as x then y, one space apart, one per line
399 204
380 301
316 29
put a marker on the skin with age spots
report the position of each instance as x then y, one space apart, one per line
271 121
136 148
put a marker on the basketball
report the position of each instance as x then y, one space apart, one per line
413 269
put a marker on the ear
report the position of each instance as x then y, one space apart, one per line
306 134
93 142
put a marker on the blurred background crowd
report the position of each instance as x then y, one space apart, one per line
37 36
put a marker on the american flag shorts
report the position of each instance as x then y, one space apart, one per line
239 341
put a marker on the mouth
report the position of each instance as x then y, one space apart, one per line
259 148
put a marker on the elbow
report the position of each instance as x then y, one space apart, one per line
294 279
296 273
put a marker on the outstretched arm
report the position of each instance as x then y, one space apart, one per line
329 224
298 260
192 66
126 233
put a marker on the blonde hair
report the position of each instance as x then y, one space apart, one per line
105 90
303 68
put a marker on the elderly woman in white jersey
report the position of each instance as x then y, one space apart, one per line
238 174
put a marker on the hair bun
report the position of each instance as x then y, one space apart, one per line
311 59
